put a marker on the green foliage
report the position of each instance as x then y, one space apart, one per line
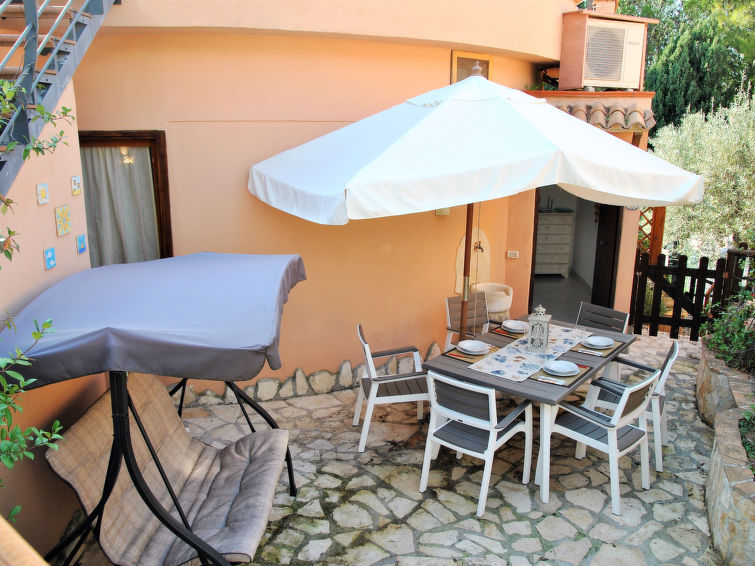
695 71
747 432
9 97
17 443
721 148
732 334
696 54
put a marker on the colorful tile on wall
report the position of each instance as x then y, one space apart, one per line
76 185
81 243
63 220
49 258
43 194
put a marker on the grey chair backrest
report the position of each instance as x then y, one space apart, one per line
477 313
368 361
465 402
634 400
602 318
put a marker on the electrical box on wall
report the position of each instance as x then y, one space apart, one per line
602 50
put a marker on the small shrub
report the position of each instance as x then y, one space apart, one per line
732 334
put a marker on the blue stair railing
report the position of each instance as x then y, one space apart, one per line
44 49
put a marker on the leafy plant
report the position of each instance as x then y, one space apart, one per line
732 334
747 431
9 97
16 443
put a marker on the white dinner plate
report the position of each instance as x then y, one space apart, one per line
474 347
599 342
561 368
515 326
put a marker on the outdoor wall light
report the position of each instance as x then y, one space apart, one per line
442 212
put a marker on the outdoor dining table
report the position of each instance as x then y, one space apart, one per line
548 395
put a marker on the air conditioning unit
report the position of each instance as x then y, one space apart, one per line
602 50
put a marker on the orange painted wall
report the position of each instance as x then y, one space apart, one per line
257 95
31 484
506 27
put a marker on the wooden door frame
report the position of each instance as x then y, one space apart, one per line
156 141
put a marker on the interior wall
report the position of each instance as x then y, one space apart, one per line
31 484
266 94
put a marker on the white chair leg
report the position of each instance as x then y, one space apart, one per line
613 466
527 445
645 463
459 455
430 447
358 406
485 484
664 428
657 435
366 424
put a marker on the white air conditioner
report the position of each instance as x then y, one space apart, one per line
601 51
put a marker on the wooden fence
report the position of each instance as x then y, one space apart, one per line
679 296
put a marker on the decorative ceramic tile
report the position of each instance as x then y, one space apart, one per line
76 185
43 195
81 243
63 220
49 258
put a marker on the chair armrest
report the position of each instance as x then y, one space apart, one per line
508 419
588 414
610 385
388 353
399 376
634 364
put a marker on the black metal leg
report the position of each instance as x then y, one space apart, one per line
122 436
182 386
242 396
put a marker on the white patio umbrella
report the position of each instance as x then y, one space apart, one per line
472 141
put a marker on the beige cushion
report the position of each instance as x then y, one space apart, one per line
226 494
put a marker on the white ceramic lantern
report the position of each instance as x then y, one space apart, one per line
538 332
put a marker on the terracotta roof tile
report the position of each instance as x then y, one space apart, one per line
616 118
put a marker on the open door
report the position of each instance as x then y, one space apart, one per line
606 255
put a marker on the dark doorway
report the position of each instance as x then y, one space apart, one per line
606 255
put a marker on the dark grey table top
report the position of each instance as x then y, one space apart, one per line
531 389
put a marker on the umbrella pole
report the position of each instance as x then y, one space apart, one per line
467 262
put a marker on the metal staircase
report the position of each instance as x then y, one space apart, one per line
41 44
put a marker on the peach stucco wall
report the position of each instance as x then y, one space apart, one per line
31 484
227 101
497 26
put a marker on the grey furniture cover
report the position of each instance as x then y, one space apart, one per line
201 316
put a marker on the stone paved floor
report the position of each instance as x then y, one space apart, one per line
365 508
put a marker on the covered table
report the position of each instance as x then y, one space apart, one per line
202 316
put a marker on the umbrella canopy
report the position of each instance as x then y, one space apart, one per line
474 140
203 316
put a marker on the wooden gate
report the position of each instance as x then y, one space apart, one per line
674 295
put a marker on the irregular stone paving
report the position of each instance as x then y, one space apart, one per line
365 508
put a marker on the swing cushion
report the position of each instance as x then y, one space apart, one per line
226 494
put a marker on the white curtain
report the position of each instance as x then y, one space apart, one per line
120 204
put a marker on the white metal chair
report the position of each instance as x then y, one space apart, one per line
614 434
602 318
387 389
464 417
605 393
477 317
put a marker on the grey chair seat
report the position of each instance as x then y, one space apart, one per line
411 386
627 435
469 437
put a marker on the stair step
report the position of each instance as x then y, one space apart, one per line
13 72
8 39
17 11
